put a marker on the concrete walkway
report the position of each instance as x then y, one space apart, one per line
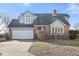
15 48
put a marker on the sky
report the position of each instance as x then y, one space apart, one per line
13 10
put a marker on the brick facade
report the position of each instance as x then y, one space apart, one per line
48 30
66 32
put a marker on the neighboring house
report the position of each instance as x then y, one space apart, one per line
28 24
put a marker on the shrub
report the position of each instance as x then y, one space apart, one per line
73 34
41 35
7 36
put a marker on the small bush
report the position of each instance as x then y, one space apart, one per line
41 35
73 34
7 36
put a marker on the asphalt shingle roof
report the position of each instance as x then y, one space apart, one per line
46 19
15 23
42 19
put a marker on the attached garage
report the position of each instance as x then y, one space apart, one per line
22 33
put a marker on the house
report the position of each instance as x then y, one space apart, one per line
27 25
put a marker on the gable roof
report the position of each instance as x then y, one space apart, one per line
42 19
46 19
62 19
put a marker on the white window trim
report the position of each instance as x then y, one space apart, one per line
29 20
57 30
42 28
25 21
63 31
51 30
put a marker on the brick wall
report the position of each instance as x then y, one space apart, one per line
66 32
48 30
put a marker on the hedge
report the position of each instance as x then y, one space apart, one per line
73 34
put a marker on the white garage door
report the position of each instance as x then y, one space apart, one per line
22 34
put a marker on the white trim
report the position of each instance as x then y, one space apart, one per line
22 33
55 30
57 25
59 21
22 28
51 30
42 28
27 19
63 31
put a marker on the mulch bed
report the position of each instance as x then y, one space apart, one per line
47 49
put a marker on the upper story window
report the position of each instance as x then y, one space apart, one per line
28 19
27 16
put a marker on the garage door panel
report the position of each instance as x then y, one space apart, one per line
25 34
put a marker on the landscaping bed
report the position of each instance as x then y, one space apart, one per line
47 49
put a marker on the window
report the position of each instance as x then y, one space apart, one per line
61 30
52 30
27 16
27 19
57 30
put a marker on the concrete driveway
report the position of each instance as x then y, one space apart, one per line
15 48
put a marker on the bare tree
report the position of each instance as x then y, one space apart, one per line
4 22
76 26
